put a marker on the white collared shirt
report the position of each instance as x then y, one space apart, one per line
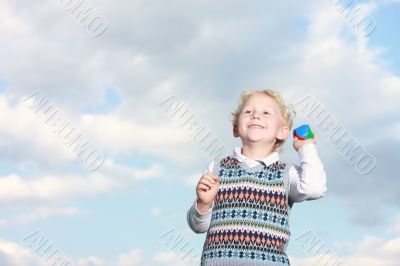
237 153
306 182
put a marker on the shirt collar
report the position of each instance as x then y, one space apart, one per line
270 159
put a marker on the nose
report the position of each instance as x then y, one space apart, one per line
255 115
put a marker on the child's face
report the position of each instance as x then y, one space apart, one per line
260 121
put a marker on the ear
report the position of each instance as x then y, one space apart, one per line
235 131
283 133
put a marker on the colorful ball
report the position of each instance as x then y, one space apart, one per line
303 132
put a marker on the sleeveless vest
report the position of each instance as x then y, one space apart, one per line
250 218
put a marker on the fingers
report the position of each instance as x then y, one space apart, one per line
207 181
202 187
211 177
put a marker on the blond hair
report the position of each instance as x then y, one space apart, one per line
286 112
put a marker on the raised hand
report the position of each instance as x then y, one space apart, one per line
206 190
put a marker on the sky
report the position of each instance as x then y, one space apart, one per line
110 73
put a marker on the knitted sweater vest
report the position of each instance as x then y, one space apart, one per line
250 218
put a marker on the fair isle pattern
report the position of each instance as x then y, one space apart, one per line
249 224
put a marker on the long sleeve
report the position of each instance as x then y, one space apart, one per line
308 181
197 221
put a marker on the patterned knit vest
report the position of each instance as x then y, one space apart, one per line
250 218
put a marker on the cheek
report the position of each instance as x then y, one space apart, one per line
241 121
274 124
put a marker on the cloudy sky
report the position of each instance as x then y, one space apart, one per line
107 73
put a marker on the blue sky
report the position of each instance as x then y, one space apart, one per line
203 53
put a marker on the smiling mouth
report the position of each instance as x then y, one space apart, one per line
255 126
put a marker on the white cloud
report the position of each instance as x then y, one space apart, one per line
395 228
370 251
350 79
25 137
91 261
130 259
44 212
167 258
120 172
39 213
13 254
302 261
120 136
14 188
27 140
373 251
29 23
337 59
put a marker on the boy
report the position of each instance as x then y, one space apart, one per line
244 200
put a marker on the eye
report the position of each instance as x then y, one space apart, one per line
266 113
247 112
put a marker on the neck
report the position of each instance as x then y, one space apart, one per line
256 151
